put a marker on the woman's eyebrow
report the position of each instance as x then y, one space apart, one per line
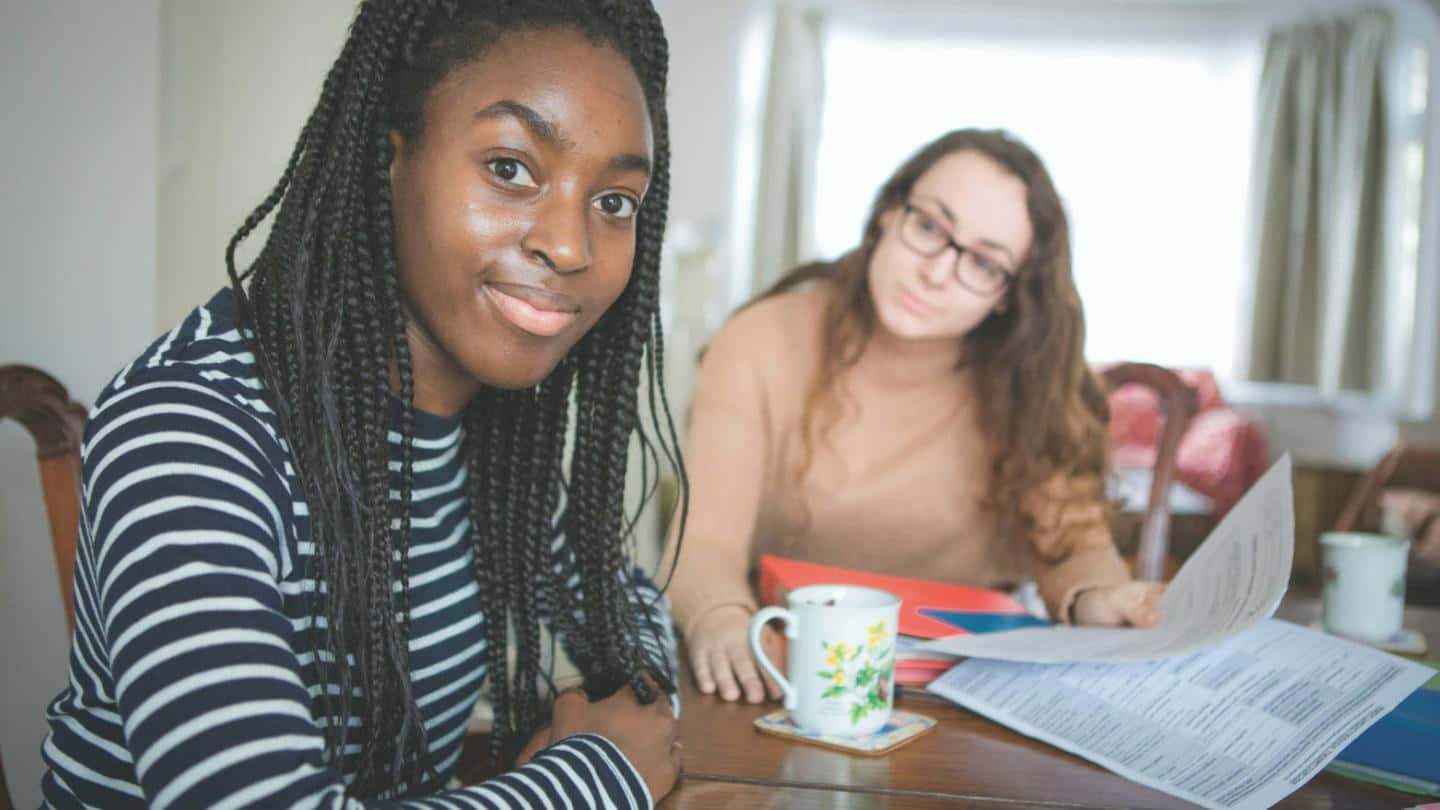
950 215
630 162
997 246
545 130
944 209
539 126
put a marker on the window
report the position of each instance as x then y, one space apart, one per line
1409 143
1412 133
1148 139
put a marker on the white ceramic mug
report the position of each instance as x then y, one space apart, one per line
1364 584
841 657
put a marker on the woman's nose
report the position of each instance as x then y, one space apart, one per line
560 235
940 268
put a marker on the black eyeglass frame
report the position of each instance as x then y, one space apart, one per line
910 210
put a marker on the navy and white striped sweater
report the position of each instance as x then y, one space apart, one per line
191 671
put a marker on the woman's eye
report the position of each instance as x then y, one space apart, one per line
511 171
621 206
988 266
926 223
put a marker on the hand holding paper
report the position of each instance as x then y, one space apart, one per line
1235 579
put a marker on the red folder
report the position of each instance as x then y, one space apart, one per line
779 576
919 673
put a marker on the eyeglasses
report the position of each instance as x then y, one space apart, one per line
976 271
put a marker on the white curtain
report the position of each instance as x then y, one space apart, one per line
790 131
1317 206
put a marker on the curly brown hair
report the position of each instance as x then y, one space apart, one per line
1043 409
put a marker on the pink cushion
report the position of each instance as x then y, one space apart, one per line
1134 417
1221 453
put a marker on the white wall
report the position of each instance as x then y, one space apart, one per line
705 45
237 83
79 91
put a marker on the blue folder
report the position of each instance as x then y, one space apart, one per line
1406 741
981 622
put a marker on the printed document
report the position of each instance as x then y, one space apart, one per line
1239 725
1232 581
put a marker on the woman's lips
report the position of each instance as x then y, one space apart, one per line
913 303
533 310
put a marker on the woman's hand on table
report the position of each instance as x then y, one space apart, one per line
720 657
646 735
1133 603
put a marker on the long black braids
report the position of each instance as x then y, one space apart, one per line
610 373
321 312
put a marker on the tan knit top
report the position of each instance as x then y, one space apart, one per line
895 487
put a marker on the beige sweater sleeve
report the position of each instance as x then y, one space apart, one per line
726 455
1074 547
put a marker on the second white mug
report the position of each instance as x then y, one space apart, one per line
1364 594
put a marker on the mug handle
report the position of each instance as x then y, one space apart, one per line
757 623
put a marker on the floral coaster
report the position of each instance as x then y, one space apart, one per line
902 727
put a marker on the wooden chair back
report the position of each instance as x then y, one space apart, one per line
1177 407
40 403
1408 466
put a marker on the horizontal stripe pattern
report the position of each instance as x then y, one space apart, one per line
192 675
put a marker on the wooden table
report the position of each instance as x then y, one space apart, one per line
967 761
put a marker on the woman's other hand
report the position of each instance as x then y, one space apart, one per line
720 656
646 735
1133 603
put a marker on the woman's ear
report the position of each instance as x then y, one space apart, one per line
397 151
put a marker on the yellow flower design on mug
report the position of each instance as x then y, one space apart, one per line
876 634
860 674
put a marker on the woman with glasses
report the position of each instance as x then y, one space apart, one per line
920 406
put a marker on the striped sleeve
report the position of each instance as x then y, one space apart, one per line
188 516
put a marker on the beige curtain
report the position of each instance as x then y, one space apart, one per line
789 136
1317 206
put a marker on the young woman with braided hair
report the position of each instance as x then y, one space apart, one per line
318 512
920 407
